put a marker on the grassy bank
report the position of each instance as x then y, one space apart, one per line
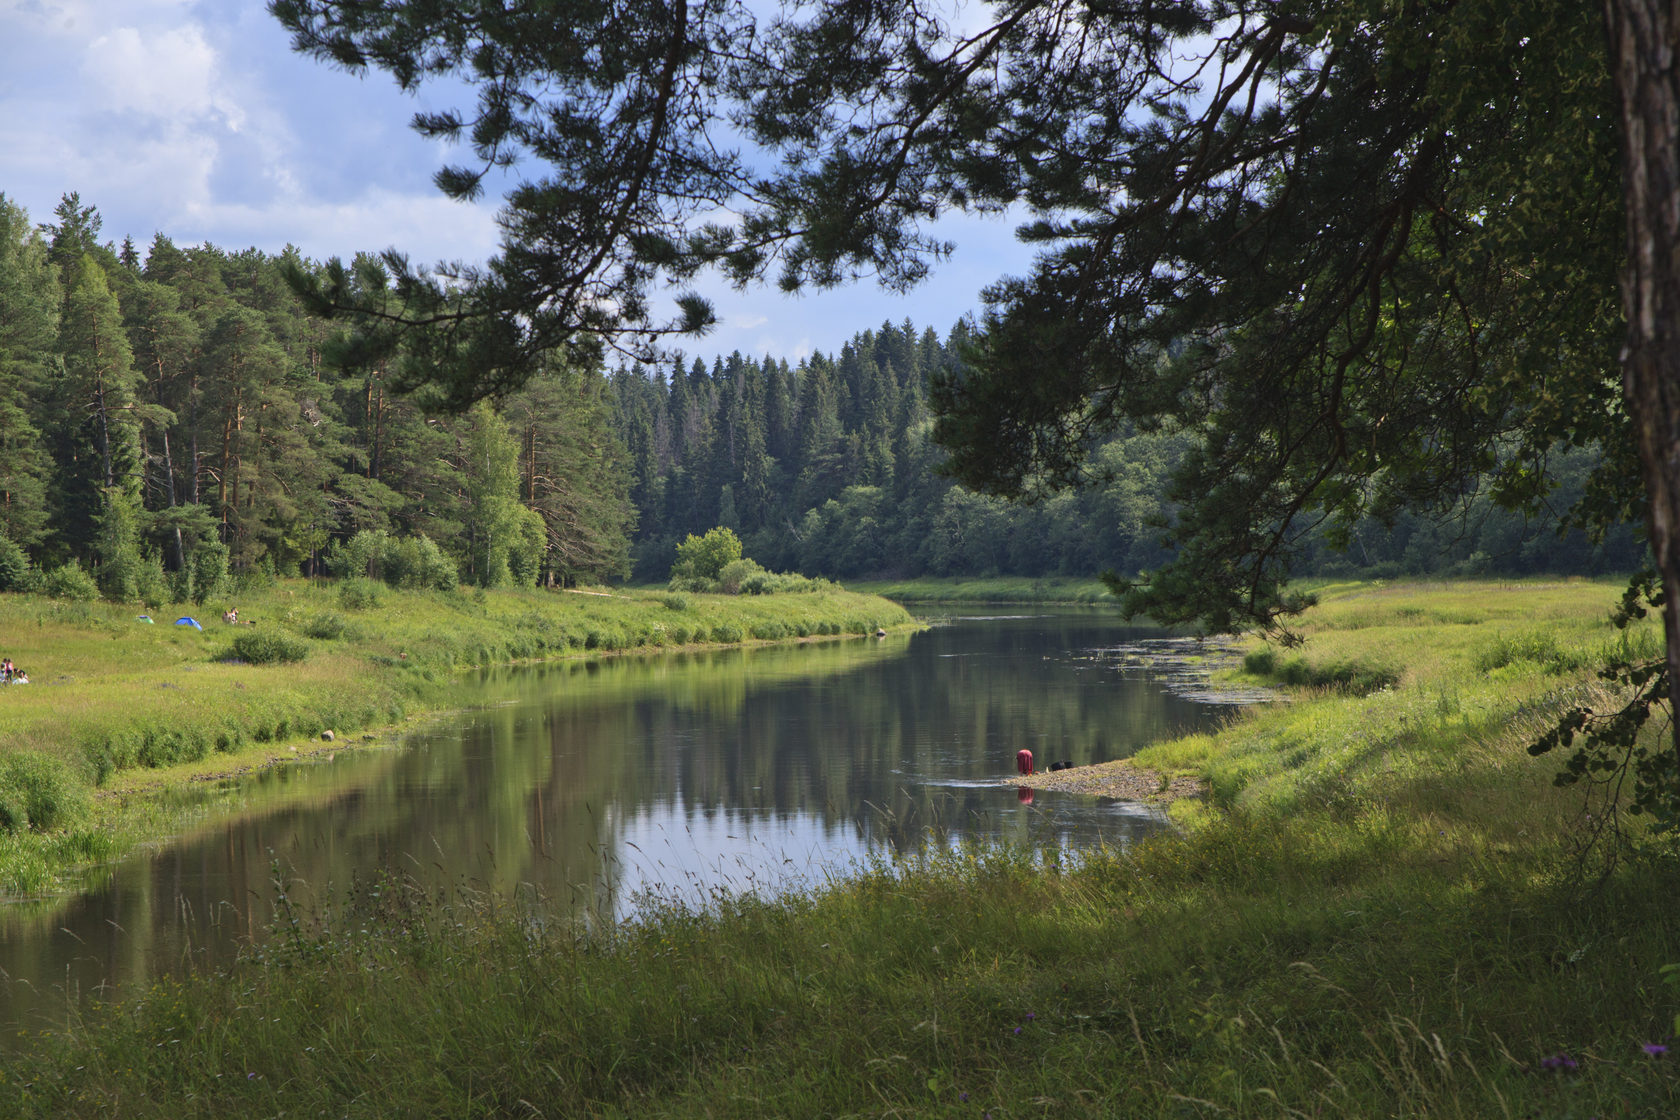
1380 913
1001 589
122 704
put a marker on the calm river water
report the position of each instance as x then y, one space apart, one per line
605 784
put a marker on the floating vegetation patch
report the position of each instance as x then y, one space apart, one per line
1185 667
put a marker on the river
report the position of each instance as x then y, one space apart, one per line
607 784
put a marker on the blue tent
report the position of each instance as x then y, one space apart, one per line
193 622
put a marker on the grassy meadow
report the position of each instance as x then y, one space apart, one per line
1383 908
121 707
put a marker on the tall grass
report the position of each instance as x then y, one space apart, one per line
1380 914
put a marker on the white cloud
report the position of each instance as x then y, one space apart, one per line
82 18
169 74
428 228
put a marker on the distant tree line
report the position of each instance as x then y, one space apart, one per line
829 468
170 417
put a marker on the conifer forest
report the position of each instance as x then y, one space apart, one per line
170 415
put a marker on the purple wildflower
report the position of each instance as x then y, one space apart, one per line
1017 1030
1031 1016
1655 1049
1560 1063
963 1097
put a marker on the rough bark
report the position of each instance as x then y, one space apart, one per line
1643 59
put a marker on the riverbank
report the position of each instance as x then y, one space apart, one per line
124 703
1383 908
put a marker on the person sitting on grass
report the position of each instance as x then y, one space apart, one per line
6 671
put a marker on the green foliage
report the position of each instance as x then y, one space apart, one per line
732 574
121 567
68 581
360 556
326 627
525 550
151 583
703 558
40 793
359 594
268 646
14 566
209 571
417 562
408 562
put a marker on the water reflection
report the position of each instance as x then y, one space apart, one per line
606 784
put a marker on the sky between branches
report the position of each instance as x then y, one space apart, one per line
195 119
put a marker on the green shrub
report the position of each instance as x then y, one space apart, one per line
268 647
730 576
70 582
762 582
605 637
417 562
675 601
40 793
209 570
360 557
726 632
326 626
151 585
358 594
705 557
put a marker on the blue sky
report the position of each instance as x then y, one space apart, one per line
196 120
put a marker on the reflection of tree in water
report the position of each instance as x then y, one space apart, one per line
832 747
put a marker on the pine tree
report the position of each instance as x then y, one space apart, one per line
574 475
93 404
29 308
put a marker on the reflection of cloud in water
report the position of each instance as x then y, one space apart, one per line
667 853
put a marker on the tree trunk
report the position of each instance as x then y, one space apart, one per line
169 488
1643 43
